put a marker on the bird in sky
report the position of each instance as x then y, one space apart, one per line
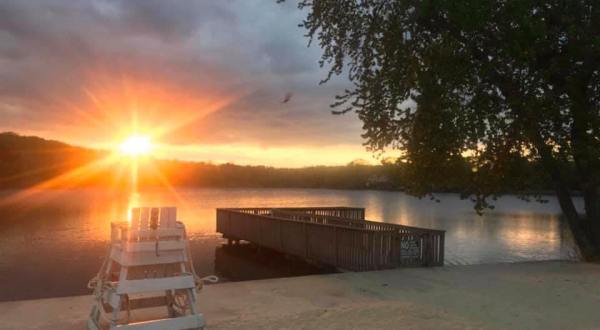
287 97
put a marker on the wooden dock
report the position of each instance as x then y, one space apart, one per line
336 236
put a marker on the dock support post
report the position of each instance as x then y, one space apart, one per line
335 244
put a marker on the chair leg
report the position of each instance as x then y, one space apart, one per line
115 314
192 301
170 295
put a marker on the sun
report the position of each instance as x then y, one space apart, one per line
136 145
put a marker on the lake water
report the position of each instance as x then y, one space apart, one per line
53 242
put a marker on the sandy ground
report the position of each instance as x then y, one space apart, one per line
541 295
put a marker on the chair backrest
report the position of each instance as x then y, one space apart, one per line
152 218
168 217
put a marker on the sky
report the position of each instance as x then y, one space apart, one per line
205 79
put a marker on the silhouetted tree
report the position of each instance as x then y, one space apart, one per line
499 83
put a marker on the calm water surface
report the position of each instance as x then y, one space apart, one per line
52 242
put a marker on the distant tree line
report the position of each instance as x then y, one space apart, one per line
27 161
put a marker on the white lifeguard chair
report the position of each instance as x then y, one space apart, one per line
148 265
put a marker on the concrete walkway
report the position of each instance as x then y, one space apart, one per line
541 295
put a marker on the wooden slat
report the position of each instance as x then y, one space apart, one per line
135 215
151 246
174 232
156 284
168 217
144 218
153 220
179 323
128 259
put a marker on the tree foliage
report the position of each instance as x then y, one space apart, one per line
500 83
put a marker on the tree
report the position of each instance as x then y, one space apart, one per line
497 83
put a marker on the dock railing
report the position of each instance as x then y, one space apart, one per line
336 236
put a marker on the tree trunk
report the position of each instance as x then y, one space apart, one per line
581 234
591 197
585 155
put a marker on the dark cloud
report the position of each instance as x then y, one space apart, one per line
261 118
53 52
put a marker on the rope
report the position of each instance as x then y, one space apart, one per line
197 279
99 278
99 285
210 279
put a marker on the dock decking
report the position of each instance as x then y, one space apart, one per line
336 236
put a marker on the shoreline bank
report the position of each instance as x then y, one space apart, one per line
548 295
